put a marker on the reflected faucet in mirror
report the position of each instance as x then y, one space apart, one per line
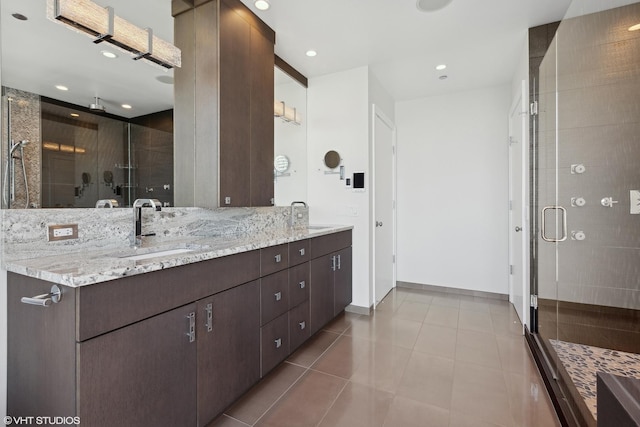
292 217
136 239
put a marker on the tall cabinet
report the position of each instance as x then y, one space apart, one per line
226 85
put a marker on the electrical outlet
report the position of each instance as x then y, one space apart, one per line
63 232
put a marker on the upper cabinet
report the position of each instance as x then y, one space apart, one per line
224 110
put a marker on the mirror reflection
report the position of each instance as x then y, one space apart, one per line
290 139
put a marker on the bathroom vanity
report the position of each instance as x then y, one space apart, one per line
169 346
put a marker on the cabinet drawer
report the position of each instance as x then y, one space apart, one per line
274 342
274 258
298 252
324 245
274 296
298 284
299 325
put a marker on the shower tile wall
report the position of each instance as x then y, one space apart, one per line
598 80
25 125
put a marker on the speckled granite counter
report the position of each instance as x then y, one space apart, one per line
80 268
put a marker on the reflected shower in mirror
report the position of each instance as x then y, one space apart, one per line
290 139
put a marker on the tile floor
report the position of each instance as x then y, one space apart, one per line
424 359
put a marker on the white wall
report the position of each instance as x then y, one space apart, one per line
339 120
453 190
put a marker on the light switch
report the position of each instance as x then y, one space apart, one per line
634 198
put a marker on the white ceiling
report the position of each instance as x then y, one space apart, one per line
480 41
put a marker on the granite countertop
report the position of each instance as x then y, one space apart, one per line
75 269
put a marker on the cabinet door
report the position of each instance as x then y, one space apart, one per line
228 348
298 284
298 325
235 108
321 295
275 342
342 280
262 59
274 296
140 375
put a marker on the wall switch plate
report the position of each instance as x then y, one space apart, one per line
63 232
634 198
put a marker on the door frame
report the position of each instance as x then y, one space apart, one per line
376 112
520 103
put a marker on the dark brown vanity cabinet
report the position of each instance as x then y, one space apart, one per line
246 107
330 278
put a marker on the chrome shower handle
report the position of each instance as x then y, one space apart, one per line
543 222
44 300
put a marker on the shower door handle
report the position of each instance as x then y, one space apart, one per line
543 222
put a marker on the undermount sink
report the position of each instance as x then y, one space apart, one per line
157 254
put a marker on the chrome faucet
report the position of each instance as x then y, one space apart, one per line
291 217
136 239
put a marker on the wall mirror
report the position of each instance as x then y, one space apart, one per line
290 139
49 78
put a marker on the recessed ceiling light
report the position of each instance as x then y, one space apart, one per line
311 53
634 27
126 106
441 67
431 5
19 16
262 4
74 115
444 77
108 54
61 87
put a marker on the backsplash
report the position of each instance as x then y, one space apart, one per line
24 232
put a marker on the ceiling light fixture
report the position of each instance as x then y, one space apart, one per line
431 5
634 27
441 67
74 115
61 87
108 54
102 24
127 106
311 53
262 4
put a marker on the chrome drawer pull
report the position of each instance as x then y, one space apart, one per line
44 300
302 325
302 252
209 310
302 284
278 342
192 326
278 296
278 258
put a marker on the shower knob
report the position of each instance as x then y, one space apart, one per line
579 168
578 235
578 202
608 202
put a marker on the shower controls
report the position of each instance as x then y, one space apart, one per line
634 202
578 169
578 235
608 202
578 202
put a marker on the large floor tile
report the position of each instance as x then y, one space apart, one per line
226 421
412 310
530 403
428 379
442 316
446 300
514 353
344 357
410 413
382 367
479 348
306 403
483 405
479 321
464 420
437 341
358 406
342 322
264 394
397 331
313 349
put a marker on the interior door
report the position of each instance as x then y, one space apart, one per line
517 223
384 205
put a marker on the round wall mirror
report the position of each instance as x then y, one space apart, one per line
332 159
281 163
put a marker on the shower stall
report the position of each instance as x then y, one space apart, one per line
586 259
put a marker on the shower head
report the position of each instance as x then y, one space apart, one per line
17 145
96 107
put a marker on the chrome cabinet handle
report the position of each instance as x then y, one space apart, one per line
518 228
278 258
278 296
333 263
192 326
44 300
278 342
339 267
302 252
302 284
543 223
302 325
378 223
209 310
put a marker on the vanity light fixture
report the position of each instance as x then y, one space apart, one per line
54 146
103 24
287 114
74 115
262 4
311 53
634 27
62 88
